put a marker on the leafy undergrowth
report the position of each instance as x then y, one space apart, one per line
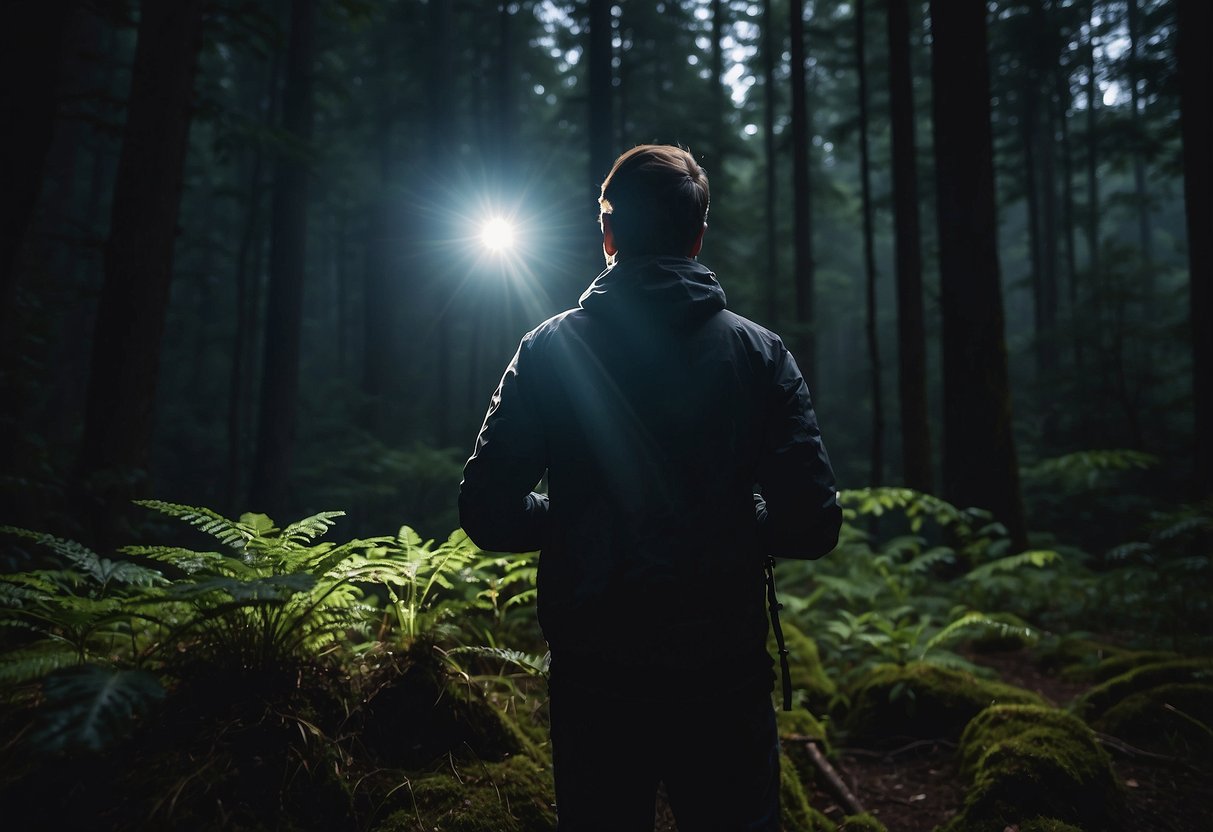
271 680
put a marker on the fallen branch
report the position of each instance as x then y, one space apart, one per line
888 755
844 795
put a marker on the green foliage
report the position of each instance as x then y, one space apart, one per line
88 707
1085 470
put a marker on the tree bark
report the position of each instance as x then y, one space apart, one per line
31 43
979 461
768 144
120 402
911 326
1196 117
720 99
1141 197
288 246
802 229
876 470
602 150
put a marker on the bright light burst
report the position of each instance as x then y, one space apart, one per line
497 234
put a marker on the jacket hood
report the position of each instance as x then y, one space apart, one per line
676 289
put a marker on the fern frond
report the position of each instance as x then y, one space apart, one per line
35 661
309 528
187 560
87 707
1034 557
228 532
532 664
975 620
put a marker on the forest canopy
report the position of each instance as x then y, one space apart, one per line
263 262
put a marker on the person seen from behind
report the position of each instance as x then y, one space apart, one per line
681 451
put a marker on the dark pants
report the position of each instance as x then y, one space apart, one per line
718 758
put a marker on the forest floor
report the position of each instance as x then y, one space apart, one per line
916 788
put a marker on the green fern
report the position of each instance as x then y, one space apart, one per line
88 707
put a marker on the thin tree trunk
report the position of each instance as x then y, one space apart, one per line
979 460
768 140
876 472
119 410
379 355
1092 224
802 229
440 129
1027 134
1142 198
720 98
288 244
1196 116
911 326
1063 100
601 144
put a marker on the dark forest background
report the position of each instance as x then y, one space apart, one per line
242 264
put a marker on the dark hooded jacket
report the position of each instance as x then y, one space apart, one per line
657 414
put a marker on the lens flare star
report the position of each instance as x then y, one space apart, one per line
497 234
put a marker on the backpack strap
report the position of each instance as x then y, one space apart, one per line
774 607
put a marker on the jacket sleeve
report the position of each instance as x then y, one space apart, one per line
798 512
497 507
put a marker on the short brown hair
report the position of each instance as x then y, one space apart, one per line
657 196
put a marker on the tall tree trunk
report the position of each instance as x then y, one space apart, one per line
911 320
31 45
876 472
720 99
245 315
768 144
1142 198
979 461
1196 115
1027 134
1063 100
119 408
288 245
440 129
802 229
602 150
379 298
505 86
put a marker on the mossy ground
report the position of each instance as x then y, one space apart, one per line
513 795
1093 704
918 700
1173 719
1031 763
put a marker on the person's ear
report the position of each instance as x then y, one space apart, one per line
698 244
608 237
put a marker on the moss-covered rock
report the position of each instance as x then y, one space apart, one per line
1174 718
892 702
1073 657
800 723
1034 764
795 813
1001 722
420 714
807 672
1096 701
514 795
1121 663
